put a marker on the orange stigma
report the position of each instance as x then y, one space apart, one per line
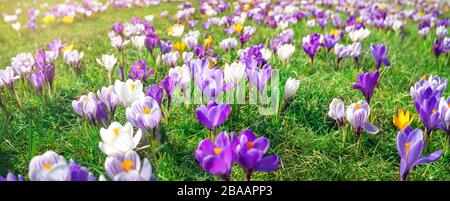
127 165
48 166
250 145
217 150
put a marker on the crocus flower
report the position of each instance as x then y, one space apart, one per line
359 35
108 62
23 63
168 84
337 111
427 105
119 43
434 82
213 115
234 72
444 111
402 120
118 28
171 58
151 41
341 52
140 71
92 108
379 55
441 32
358 116
155 91
56 46
79 173
410 146
291 87
128 91
438 47
176 30
138 42
259 77
144 113
366 83
49 166
250 154
11 177
329 41
165 47
73 58
127 167
182 77
109 97
311 44
246 34
285 52
217 157
228 44
118 139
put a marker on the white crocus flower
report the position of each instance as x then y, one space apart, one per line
118 139
16 26
138 42
176 30
128 91
285 52
266 53
108 62
234 72
291 87
359 35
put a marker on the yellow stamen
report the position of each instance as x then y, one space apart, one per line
433 111
407 146
138 67
47 166
133 87
217 150
147 110
357 106
127 165
116 131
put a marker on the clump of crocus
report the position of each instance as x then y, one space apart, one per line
8 78
291 88
402 120
358 116
250 152
91 107
11 177
127 167
366 84
109 97
379 55
259 77
73 59
128 91
410 145
213 115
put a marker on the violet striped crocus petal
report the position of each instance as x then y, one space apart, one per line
222 140
430 158
205 147
248 135
269 164
414 152
370 128
249 160
401 140
202 118
262 144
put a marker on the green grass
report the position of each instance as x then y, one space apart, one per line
307 141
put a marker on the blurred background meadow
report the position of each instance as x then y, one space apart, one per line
308 142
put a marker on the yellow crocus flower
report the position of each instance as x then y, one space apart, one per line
180 46
402 120
68 47
238 28
68 19
208 41
48 19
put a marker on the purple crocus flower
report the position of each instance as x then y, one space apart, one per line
168 84
144 113
410 146
36 80
311 44
438 47
155 91
118 28
56 46
165 47
329 41
444 111
250 154
366 83
139 71
92 108
11 177
151 41
358 116
427 105
246 34
213 115
259 77
217 157
127 167
109 97
379 55
79 173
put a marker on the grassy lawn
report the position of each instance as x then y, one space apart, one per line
308 142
